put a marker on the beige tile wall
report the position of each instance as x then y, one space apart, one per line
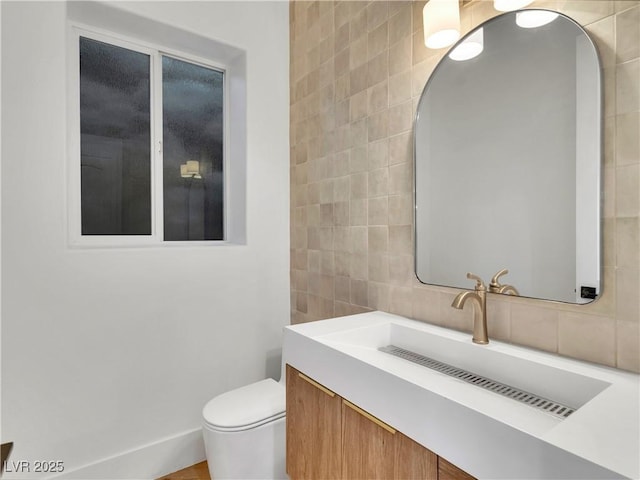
357 70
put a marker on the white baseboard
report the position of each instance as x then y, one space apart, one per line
147 462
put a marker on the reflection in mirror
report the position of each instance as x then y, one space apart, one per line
507 160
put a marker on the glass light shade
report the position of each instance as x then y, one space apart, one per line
535 18
190 169
509 5
472 46
441 19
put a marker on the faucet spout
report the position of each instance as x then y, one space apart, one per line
462 298
479 297
508 290
496 287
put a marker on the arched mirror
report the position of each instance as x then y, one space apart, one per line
507 160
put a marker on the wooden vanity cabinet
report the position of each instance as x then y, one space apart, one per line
314 429
368 447
328 437
372 449
448 471
414 461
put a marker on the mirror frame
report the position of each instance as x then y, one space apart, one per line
600 154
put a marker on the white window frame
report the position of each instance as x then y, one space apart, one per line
155 52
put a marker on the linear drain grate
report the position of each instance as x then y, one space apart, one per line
548 406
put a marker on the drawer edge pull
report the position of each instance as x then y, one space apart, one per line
316 384
375 420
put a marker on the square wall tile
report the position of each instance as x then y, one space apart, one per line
587 337
627 139
628 34
378 268
628 242
378 211
587 11
378 239
498 318
401 239
378 154
426 304
628 347
604 34
401 270
400 300
628 191
628 87
401 209
379 294
627 298
535 327
400 23
342 291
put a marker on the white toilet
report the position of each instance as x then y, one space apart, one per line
244 432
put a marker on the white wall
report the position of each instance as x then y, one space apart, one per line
107 350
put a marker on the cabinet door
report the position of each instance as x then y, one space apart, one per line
369 446
448 471
314 417
372 449
413 461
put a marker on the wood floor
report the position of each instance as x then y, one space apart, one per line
199 471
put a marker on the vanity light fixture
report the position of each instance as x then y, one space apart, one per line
441 20
191 169
535 18
510 5
471 47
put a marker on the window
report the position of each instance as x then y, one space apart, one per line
152 151
192 137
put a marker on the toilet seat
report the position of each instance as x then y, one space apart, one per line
246 407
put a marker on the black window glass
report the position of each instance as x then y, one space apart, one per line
192 101
115 140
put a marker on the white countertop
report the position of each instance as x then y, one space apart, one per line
485 434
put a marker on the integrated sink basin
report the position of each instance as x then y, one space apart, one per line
488 434
560 386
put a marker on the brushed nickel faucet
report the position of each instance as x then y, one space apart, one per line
496 287
479 296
